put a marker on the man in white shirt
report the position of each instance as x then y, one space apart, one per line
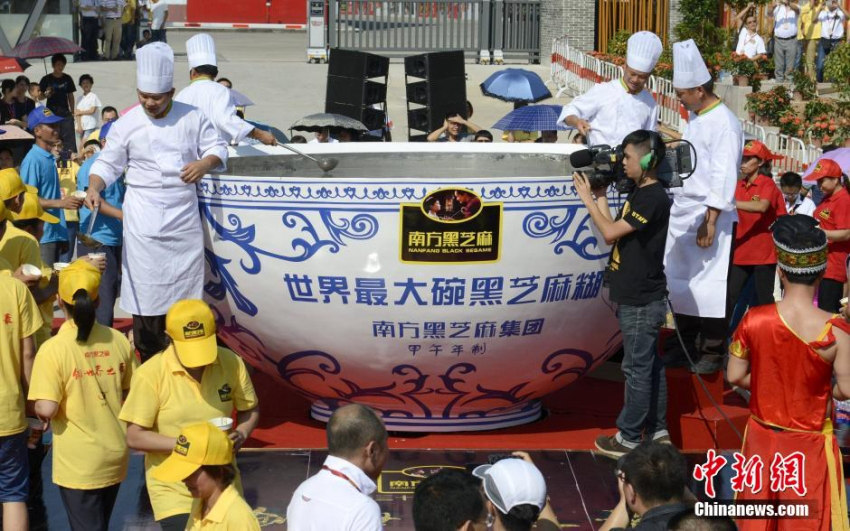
609 111
785 15
832 18
159 16
699 236
110 14
338 497
166 147
212 98
795 203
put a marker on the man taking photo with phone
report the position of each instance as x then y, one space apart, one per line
638 285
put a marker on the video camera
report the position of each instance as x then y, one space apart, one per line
603 166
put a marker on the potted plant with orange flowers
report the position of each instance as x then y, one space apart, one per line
767 107
822 130
741 67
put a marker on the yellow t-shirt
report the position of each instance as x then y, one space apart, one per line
89 442
68 184
521 136
19 247
230 513
164 398
19 319
809 20
129 13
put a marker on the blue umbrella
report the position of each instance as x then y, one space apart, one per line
279 135
532 118
515 84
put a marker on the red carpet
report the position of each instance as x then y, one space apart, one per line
575 416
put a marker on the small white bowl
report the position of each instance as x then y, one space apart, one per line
59 266
31 270
79 194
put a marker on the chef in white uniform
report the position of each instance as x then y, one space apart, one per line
166 147
699 237
609 111
212 98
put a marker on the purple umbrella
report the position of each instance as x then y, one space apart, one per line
41 47
841 156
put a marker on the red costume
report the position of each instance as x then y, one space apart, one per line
791 388
833 213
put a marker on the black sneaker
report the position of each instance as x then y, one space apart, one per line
664 439
708 364
610 447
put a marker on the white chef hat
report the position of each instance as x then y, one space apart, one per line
689 70
201 50
643 51
155 68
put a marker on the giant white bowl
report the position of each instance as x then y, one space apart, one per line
306 278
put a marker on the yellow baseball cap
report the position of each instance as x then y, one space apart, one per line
191 326
32 210
196 446
11 184
78 275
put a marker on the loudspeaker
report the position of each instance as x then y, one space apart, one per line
351 63
373 119
354 91
430 92
436 65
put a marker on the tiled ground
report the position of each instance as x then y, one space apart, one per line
581 485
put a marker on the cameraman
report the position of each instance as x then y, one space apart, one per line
638 286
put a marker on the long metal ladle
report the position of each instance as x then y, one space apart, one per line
325 164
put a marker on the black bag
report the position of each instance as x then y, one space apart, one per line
769 47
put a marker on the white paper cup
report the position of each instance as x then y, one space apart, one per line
36 429
59 266
79 194
225 424
843 302
98 256
31 270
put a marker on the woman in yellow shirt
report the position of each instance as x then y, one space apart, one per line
191 381
79 381
202 459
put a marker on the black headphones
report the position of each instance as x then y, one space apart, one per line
657 152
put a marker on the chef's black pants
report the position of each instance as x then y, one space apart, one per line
149 335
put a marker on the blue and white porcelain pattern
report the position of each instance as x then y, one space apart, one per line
305 279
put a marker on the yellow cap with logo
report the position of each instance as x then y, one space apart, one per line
191 326
78 275
11 184
32 210
196 446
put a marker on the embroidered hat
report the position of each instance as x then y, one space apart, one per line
79 275
512 482
800 245
196 446
191 326
643 50
32 209
754 148
825 168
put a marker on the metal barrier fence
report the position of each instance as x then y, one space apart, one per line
574 72
505 28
